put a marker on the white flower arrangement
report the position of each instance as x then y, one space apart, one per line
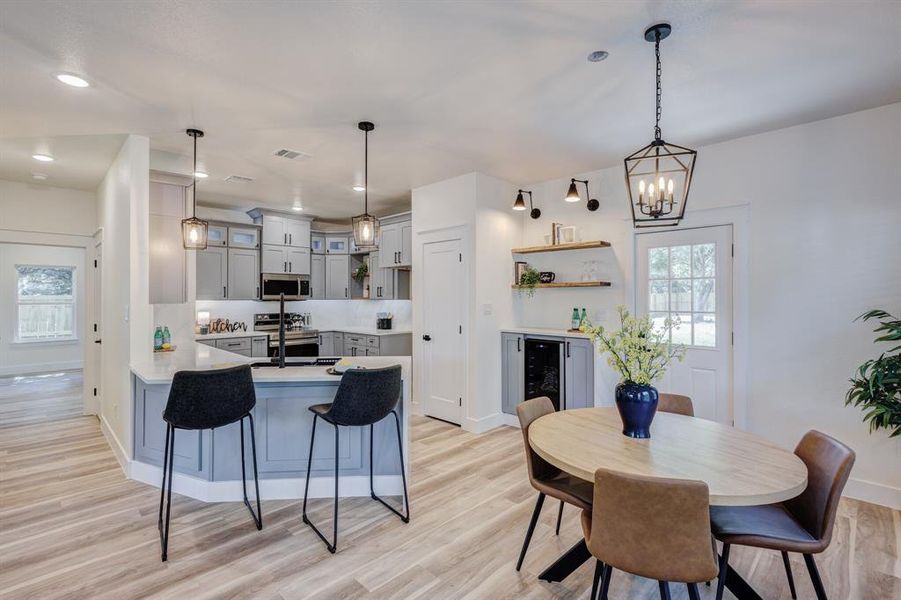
637 352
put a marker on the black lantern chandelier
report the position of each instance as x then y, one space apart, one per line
194 230
520 204
658 176
366 227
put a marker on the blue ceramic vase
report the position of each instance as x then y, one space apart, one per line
637 404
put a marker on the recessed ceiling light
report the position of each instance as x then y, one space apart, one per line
297 208
598 56
73 80
39 176
42 157
200 175
359 188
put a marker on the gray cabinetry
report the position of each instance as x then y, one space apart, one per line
298 260
317 277
242 346
243 274
337 277
192 448
259 346
286 259
217 235
381 279
317 244
212 273
396 244
327 343
578 373
512 372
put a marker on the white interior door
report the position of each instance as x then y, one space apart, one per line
443 356
95 348
687 274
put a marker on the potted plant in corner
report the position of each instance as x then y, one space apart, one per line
876 388
640 354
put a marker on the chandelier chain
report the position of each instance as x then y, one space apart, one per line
657 134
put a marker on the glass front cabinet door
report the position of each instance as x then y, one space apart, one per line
217 235
243 237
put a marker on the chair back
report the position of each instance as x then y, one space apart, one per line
829 465
655 528
527 412
365 396
210 399
676 403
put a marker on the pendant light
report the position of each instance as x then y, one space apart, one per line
366 227
194 230
520 204
658 176
572 195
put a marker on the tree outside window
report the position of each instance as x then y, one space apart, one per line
45 303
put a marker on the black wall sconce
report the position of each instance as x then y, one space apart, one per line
573 194
520 204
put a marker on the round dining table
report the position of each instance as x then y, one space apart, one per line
739 468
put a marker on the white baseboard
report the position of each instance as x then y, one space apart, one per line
115 445
509 420
483 424
876 493
29 369
270 489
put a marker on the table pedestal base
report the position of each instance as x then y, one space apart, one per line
578 554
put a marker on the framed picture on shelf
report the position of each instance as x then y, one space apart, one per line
518 268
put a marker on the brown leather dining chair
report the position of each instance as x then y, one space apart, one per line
802 524
675 403
544 477
650 527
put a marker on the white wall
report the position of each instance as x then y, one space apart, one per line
34 357
477 205
45 209
123 212
824 245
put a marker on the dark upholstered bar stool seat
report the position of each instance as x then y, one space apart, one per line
803 524
364 397
207 400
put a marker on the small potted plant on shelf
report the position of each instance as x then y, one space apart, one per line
528 280
640 354
361 272
876 387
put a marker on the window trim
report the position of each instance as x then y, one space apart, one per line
69 339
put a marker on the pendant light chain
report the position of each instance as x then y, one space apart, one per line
366 172
657 134
194 181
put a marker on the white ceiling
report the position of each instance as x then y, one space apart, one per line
453 87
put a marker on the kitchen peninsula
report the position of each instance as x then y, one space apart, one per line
207 463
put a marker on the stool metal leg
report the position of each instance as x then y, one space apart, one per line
159 521
168 457
403 517
559 517
258 515
332 547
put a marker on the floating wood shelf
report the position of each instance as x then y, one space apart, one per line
566 284
561 247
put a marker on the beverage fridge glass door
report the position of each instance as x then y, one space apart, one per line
544 370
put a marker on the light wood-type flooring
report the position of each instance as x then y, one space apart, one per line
40 397
71 526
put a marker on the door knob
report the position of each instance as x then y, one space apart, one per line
98 341
427 338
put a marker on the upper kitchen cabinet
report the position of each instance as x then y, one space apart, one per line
217 235
229 268
243 237
243 274
168 259
317 277
336 244
396 242
283 230
286 259
212 273
317 243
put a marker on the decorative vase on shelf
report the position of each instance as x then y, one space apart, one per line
637 405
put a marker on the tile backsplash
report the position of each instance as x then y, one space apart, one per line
327 314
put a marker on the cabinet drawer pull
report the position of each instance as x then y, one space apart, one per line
224 291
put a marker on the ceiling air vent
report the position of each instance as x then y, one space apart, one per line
238 179
290 154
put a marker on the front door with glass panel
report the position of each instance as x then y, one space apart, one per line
687 275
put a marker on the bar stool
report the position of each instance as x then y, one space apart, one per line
364 397
675 403
207 400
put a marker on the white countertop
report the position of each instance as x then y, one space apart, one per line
163 365
230 335
541 331
369 330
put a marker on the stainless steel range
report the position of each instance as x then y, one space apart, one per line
300 339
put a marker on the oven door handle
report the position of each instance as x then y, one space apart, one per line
303 342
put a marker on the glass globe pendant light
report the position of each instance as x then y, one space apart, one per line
366 226
658 176
194 230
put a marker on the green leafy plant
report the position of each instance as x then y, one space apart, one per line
876 387
361 272
638 352
528 280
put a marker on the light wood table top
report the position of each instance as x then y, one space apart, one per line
741 469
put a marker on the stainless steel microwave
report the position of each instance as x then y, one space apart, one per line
294 287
